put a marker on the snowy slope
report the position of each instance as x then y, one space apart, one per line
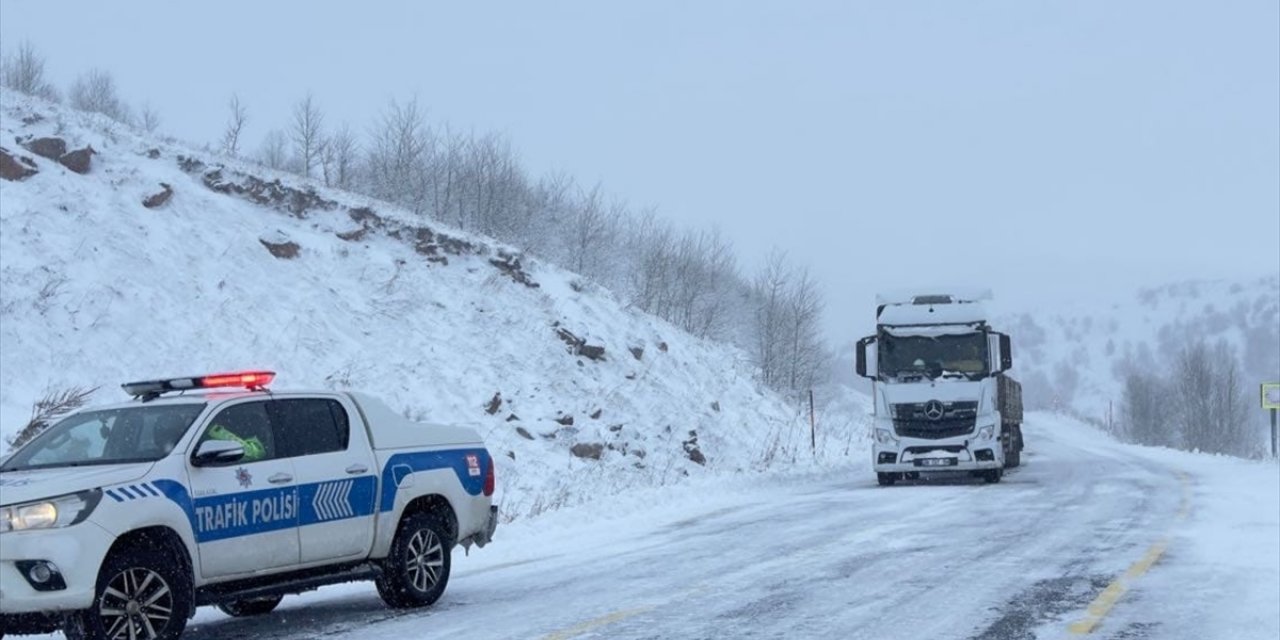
96 289
1074 357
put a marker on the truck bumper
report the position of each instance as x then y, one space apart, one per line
73 556
964 453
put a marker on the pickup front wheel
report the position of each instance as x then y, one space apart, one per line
142 594
417 569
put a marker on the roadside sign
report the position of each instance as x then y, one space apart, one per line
1271 395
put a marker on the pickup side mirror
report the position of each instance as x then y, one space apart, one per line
865 357
214 453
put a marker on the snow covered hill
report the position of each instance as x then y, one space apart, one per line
1075 358
161 260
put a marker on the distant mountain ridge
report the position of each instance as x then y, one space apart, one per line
1075 358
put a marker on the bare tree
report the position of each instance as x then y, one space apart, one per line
307 133
588 231
770 291
1229 405
275 150
150 118
1193 381
23 71
804 315
548 204
235 126
95 91
397 156
652 254
1143 410
48 409
343 152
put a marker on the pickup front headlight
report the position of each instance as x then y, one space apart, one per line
885 436
62 511
987 432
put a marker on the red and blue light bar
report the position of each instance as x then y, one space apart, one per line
252 380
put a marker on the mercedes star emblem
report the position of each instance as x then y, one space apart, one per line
934 410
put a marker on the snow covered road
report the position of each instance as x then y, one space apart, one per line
839 557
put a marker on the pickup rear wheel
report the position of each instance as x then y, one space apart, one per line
252 607
142 594
416 571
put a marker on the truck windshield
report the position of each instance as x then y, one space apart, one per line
109 436
960 356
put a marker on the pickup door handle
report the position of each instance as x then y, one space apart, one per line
357 469
280 478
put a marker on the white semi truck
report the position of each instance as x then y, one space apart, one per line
943 401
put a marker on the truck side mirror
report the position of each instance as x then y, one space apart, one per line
865 357
1006 353
212 453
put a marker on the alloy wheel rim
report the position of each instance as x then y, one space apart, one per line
425 555
136 605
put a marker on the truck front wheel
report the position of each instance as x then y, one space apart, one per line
416 571
886 479
142 593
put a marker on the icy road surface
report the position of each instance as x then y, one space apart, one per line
1089 536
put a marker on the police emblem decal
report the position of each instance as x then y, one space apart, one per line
243 477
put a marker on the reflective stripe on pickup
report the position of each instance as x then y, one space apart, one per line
470 465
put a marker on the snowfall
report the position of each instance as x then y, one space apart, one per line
656 492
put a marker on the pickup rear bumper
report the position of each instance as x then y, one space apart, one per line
485 535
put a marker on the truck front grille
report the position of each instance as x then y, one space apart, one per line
957 419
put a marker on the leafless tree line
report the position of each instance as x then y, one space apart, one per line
477 183
94 91
1198 402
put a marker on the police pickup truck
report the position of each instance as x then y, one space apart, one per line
118 521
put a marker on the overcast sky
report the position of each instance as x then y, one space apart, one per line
1039 148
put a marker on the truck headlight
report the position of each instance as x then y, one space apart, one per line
62 511
885 436
987 432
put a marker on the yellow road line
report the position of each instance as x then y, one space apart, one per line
1101 605
596 623
1142 566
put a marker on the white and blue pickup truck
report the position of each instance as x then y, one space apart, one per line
118 521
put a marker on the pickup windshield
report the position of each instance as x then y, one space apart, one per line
958 356
110 436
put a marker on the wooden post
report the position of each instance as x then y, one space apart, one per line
813 426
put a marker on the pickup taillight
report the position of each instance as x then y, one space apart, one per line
490 479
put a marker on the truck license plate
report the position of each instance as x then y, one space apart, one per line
936 462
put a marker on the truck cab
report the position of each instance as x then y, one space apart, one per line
942 399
